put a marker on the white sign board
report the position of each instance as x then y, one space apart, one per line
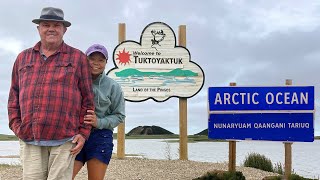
155 68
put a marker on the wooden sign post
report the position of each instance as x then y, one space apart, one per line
288 149
121 127
183 108
232 149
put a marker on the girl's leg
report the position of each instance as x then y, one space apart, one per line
76 168
96 169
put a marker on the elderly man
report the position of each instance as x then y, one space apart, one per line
50 93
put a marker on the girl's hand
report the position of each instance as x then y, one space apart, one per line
91 118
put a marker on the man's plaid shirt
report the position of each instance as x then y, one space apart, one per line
49 98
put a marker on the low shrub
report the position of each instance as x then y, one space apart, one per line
272 178
297 177
291 177
258 161
222 175
278 168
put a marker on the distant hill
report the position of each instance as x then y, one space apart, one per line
204 132
148 130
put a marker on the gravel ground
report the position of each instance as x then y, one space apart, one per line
149 169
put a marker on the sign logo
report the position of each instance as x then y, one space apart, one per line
123 57
158 36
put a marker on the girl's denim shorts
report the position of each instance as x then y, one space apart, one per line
99 146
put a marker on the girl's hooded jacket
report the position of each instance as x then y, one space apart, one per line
109 102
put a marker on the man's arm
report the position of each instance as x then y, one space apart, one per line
85 86
14 113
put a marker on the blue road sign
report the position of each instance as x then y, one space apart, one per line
262 126
261 98
262 113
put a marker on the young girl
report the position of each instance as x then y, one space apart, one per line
109 113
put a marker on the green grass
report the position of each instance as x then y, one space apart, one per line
8 165
5 137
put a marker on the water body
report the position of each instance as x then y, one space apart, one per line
305 156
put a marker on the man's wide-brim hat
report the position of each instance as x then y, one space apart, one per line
52 14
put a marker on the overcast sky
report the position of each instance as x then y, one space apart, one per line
252 43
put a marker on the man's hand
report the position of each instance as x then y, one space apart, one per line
79 140
91 118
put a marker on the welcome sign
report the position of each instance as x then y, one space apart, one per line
155 68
